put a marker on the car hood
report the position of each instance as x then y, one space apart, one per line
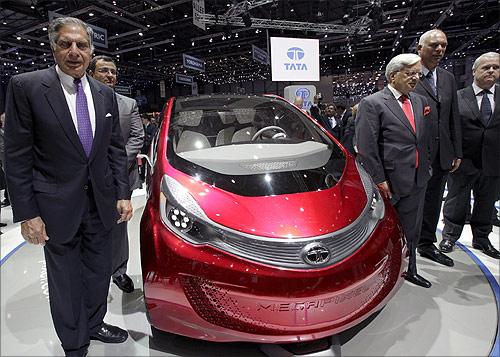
298 215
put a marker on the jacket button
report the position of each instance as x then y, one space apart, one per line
86 187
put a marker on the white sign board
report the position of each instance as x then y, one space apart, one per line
198 9
294 59
307 92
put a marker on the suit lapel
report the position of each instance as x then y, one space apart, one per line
423 82
470 99
396 109
496 112
418 114
57 101
98 98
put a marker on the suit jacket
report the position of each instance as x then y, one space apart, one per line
337 131
347 139
149 133
387 143
48 172
132 134
481 144
444 117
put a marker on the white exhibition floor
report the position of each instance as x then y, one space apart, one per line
458 316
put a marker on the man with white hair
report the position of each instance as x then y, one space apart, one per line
480 167
438 86
392 133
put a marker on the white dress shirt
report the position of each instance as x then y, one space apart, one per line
425 71
397 94
479 98
69 91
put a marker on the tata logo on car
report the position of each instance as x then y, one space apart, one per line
295 54
315 253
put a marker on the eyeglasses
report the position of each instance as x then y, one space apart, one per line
83 46
412 74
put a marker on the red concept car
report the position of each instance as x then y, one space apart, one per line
259 226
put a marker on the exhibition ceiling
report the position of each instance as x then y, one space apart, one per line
148 37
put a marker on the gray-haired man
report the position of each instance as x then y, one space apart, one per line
66 170
393 145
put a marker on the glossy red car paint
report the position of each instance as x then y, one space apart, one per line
207 293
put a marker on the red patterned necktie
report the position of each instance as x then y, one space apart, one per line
409 115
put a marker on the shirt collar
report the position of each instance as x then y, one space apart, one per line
477 89
68 82
397 94
426 70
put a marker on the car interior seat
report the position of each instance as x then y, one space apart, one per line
244 129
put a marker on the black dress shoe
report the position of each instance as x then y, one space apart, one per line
416 279
5 203
124 283
487 248
432 253
446 245
495 221
3 224
110 334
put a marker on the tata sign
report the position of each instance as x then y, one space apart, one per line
306 92
193 63
294 59
100 36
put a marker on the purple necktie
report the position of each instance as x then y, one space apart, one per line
83 118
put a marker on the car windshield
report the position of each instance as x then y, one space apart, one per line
251 145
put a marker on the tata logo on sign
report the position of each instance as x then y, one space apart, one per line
303 92
294 59
295 54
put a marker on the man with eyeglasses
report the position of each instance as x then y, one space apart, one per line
438 86
392 132
480 168
66 169
103 68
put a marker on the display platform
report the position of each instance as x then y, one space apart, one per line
458 316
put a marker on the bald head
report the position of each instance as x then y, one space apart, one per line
432 47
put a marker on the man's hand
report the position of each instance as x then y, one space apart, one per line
455 164
33 231
124 208
384 190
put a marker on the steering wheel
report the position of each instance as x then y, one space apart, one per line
271 127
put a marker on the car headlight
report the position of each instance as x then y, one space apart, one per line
181 213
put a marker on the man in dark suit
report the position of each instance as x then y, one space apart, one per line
392 132
330 122
344 116
103 68
479 107
66 170
438 86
